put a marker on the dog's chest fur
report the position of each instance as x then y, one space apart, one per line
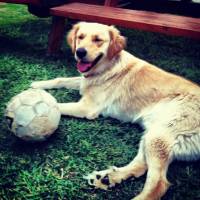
112 93
109 101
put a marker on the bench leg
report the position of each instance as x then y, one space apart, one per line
56 35
111 2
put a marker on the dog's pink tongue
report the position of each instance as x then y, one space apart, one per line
83 67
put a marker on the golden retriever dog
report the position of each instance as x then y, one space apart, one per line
115 83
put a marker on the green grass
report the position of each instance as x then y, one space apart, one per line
33 171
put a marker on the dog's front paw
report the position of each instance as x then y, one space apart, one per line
105 179
37 85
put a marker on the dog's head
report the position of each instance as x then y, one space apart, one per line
93 44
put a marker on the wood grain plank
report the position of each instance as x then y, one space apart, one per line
143 20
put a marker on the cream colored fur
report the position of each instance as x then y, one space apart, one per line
129 89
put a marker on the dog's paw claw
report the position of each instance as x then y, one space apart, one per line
98 176
104 179
91 181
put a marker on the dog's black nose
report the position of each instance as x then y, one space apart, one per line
81 52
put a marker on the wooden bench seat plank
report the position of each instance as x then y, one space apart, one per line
144 20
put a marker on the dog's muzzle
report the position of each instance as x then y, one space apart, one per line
84 66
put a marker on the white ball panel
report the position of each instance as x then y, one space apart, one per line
24 115
30 97
13 104
54 116
42 126
22 131
48 98
42 109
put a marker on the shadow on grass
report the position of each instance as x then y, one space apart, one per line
29 38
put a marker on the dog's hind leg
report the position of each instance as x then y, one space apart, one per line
110 177
158 154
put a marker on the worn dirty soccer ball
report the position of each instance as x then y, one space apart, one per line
33 115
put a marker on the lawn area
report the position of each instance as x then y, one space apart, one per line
79 146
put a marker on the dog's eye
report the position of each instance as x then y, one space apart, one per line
97 40
81 37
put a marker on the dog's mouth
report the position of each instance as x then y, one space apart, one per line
84 66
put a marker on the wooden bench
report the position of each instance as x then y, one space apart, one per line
142 20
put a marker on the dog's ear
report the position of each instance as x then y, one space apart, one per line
117 42
71 37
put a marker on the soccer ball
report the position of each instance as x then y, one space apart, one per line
33 115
